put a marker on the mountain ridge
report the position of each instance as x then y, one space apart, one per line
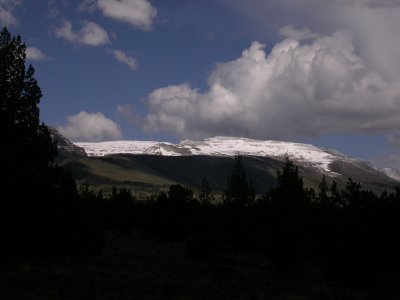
151 166
304 154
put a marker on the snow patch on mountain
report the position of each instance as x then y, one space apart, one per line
392 173
303 154
116 147
220 146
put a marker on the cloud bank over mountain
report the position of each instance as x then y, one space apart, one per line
296 89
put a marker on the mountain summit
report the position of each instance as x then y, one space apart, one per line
303 154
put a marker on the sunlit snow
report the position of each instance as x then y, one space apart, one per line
218 146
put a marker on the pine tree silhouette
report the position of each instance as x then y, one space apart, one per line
205 196
39 209
239 192
27 151
290 193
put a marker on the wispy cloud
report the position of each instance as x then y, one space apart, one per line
7 8
35 54
125 59
90 34
87 6
138 13
291 32
369 3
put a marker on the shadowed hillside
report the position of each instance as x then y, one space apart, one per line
154 172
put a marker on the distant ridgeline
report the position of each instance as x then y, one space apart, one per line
142 165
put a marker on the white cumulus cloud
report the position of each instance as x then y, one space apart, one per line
90 34
90 127
125 59
296 89
35 54
137 13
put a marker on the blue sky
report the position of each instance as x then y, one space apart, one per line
320 72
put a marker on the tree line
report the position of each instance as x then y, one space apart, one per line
349 233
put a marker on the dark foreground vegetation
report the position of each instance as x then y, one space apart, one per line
290 243
349 235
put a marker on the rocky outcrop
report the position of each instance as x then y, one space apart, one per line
65 146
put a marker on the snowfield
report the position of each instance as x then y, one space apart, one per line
221 146
304 154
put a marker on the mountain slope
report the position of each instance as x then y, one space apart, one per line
65 146
302 154
155 172
218 146
151 166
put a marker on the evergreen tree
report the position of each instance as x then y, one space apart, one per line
323 190
351 195
179 196
239 191
205 192
335 198
38 211
27 151
290 192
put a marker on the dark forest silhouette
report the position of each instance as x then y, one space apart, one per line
351 234
39 209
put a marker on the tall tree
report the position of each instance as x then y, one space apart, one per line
290 192
239 192
27 151
205 192
323 189
38 209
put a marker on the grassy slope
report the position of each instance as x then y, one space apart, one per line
146 172
154 173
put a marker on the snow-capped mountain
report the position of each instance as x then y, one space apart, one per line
224 146
303 154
